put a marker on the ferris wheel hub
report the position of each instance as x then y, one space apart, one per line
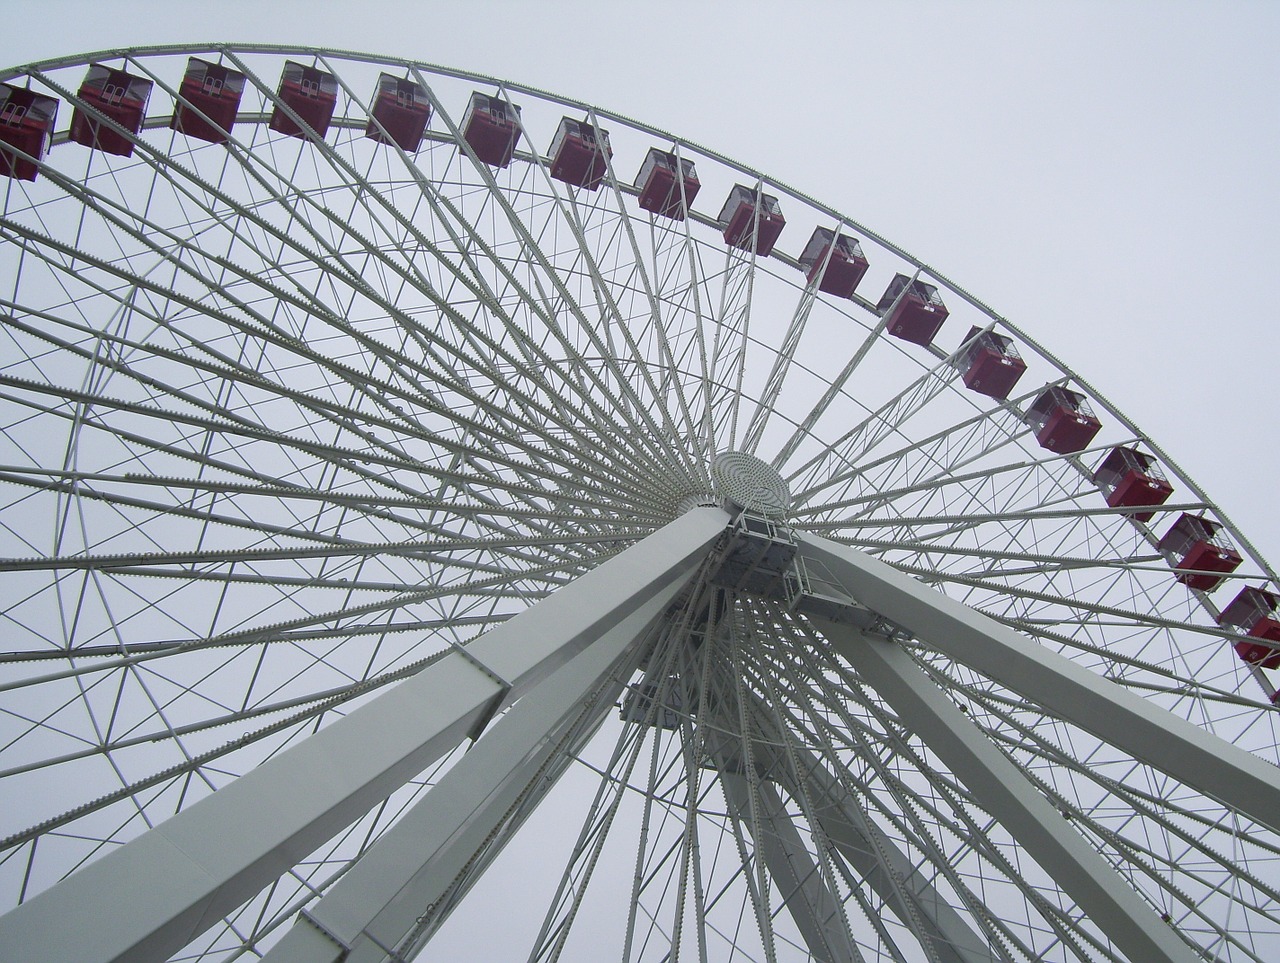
426 430
747 483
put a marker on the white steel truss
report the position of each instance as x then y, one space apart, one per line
350 487
155 894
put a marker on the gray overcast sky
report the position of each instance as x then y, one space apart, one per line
1102 173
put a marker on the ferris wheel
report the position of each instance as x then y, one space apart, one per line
401 463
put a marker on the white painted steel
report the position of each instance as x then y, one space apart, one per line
151 897
1001 788
1193 756
873 857
400 880
801 889
288 421
886 868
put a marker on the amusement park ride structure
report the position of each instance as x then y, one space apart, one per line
368 471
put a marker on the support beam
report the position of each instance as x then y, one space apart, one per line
1234 777
151 897
1013 800
388 894
794 872
879 862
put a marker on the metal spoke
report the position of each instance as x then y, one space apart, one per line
328 446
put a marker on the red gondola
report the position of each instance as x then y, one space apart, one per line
26 123
1062 420
1253 611
492 127
401 106
310 93
661 191
213 91
990 364
1201 552
752 220
843 269
919 312
1128 477
580 154
116 95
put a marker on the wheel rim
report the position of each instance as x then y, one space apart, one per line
284 421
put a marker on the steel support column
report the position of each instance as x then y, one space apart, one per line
149 898
382 899
815 910
1004 792
879 862
883 866
1237 778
